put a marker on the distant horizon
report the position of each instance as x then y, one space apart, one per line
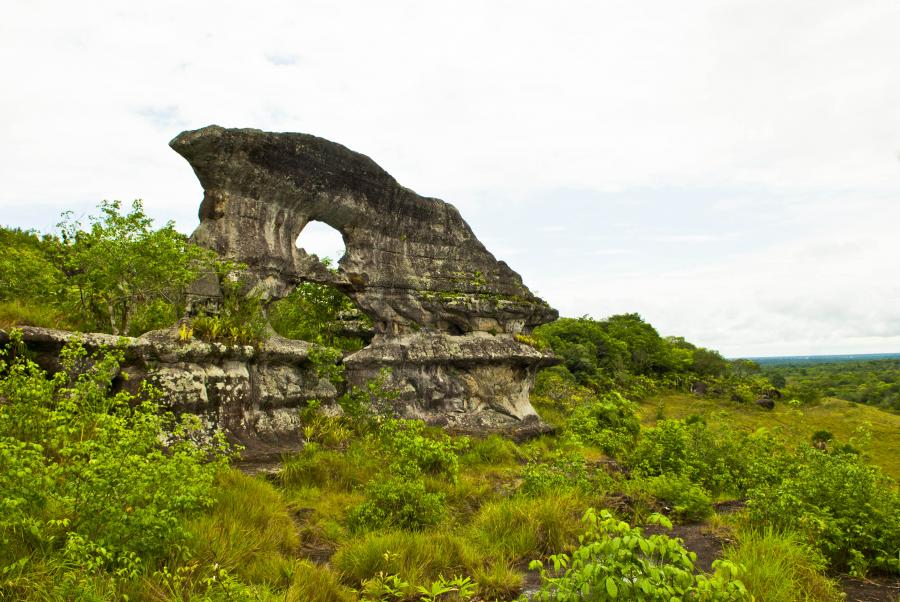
836 356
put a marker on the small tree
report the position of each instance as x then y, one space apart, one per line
120 265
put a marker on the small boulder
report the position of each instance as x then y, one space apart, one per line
766 403
699 388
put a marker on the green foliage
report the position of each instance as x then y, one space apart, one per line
83 476
29 268
319 313
562 470
616 561
520 527
21 313
719 460
873 382
687 501
609 422
781 567
848 509
120 263
239 319
412 452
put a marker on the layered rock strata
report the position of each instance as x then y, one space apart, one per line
446 312
253 394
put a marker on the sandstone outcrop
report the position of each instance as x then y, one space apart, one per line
254 394
445 311
447 315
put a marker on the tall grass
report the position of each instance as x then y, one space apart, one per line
417 557
781 568
522 528
17 313
249 531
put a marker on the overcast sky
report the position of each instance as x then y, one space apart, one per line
729 170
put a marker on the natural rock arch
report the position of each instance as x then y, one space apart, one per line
445 310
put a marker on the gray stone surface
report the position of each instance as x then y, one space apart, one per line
253 394
445 310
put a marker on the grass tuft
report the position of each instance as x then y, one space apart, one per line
779 567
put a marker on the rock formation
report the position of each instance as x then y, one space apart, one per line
253 394
445 311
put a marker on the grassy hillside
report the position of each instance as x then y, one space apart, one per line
846 420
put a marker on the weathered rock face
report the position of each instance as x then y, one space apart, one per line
445 310
253 394
411 262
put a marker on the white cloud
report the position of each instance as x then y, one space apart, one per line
775 123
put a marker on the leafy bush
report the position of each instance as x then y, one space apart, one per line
400 503
83 476
321 314
848 509
412 452
609 422
720 461
687 501
563 470
616 561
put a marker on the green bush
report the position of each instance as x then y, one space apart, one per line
609 422
720 461
848 509
615 561
398 502
562 471
687 502
83 476
413 451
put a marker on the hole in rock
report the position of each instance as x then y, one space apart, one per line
318 238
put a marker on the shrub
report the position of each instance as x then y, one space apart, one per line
83 476
848 509
687 501
398 502
720 461
561 471
609 422
616 561
413 452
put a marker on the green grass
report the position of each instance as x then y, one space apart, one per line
417 557
249 531
521 528
780 568
17 313
842 418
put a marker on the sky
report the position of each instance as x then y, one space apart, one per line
728 169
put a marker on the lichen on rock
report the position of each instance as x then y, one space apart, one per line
445 310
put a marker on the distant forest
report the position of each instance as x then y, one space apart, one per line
874 382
